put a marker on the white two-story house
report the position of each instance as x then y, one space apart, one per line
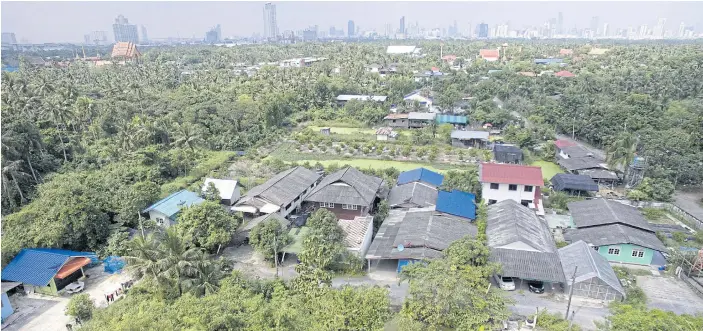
512 182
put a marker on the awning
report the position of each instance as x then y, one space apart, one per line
71 266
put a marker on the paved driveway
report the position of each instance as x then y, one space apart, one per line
671 294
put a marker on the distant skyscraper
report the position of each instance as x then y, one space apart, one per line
214 35
8 38
483 30
594 25
682 29
605 30
350 29
270 25
402 24
125 31
389 30
560 23
659 29
144 35
96 38
643 30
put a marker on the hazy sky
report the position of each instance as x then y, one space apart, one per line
68 21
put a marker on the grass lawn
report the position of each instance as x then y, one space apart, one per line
549 169
377 164
340 130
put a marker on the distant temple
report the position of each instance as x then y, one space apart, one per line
125 51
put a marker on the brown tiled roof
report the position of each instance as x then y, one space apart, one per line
125 50
489 53
384 131
566 51
396 116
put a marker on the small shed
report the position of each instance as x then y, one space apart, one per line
386 133
397 120
574 184
165 211
230 190
478 139
419 120
451 119
505 153
595 277
325 131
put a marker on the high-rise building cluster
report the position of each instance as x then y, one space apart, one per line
214 35
125 31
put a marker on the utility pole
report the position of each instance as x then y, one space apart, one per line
571 293
275 253
573 128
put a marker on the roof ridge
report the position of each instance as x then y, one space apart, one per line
593 261
170 196
276 182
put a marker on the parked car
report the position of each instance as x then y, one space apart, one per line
505 283
536 287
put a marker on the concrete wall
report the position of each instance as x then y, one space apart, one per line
155 215
625 255
397 123
503 193
6 307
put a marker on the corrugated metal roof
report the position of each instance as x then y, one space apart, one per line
590 264
510 174
415 193
421 116
452 119
465 135
613 234
346 186
345 97
172 204
601 211
574 182
37 266
457 203
581 163
420 175
522 243
282 188
355 230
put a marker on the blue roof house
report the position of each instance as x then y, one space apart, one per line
165 211
457 203
48 270
421 175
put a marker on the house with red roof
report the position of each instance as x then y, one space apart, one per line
449 58
564 73
515 182
489 54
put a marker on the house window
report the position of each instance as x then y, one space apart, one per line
495 186
512 187
525 203
326 204
393 121
159 221
596 248
636 253
528 188
491 201
322 204
350 207
614 250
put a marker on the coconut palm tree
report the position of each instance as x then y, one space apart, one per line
622 152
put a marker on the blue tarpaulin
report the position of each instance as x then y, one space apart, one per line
113 264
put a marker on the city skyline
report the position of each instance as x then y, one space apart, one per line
37 21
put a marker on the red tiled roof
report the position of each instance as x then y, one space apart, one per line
561 143
384 131
510 174
564 73
489 53
566 51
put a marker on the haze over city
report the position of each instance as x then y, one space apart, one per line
43 22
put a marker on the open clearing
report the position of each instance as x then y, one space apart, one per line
670 294
340 130
376 164
549 169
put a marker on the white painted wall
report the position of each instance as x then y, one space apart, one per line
381 137
503 193
155 215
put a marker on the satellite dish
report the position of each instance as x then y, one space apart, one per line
401 248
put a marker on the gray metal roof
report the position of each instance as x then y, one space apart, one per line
613 234
580 163
598 173
347 186
421 116
522 243
424 233
590 264
465 135
573 182
596 212
416 193
576 151
347 97
284 187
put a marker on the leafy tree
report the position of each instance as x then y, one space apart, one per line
269 238
207 225
626 317
322 245
212 193
463 180
80 306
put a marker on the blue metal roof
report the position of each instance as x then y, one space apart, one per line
547 61
441 119
457 203
420 175
172 204
37 266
